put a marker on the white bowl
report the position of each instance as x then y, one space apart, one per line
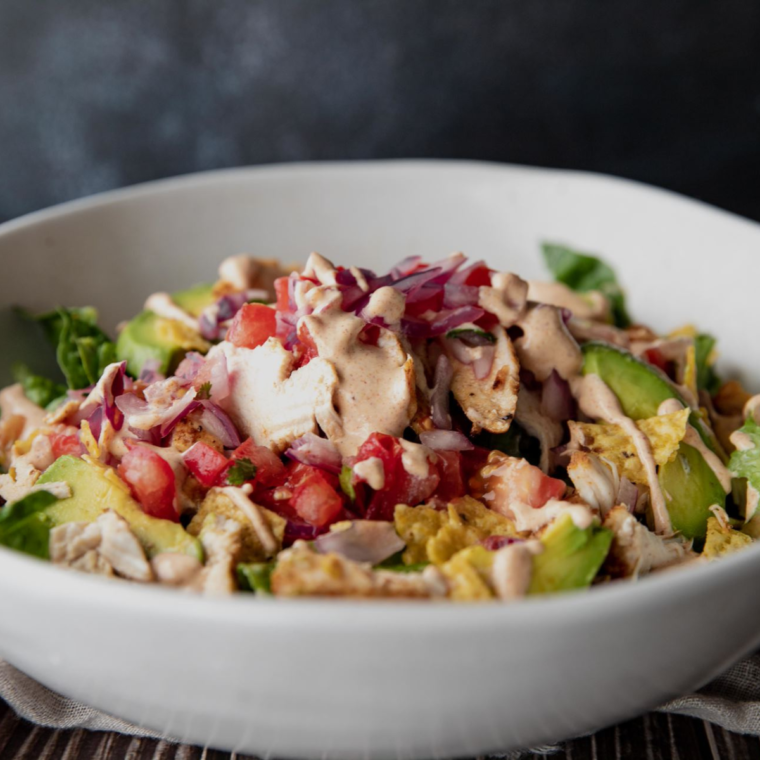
347 679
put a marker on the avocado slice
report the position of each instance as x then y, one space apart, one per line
639 386
690 488
92 493
150 337
194 300
571 557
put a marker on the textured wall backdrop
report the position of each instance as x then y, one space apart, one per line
96 95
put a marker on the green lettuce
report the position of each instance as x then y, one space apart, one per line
25 526
582 272
38 389
707 379
745 463
255 576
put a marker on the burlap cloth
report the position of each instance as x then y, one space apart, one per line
731 700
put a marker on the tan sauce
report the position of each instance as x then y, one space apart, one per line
372 472
590 305
505 298
692 438
320 268
597 401
375 383
162 305
387 304
13 401
512 569
547 344
416 458
361 280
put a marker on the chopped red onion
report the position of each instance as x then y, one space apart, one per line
214 371
107 389
318 452
557 401
494 543
448 267
405 266
95 421
460 277
459 295
179 409
416 280
439 396
189 367
628 494
150 371
365 541
446 440
445 321
216 421
300 532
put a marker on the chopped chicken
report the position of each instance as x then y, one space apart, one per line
589 305
249 273
221 539
595 479
14 402
531 417
636 550
174 569
105 547
272 401
490 403
11 428
64 412
189 431
25 469
302 572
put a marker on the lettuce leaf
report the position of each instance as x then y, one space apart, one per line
255 576
745 463
707 379
83 350
39 390
581 272
25 526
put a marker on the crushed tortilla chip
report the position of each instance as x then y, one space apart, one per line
217 503
685 331
722 539
664 432
88 440
690 371
468 573
172 331
436 536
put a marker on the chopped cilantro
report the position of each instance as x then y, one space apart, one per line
241 471
346 475
204 391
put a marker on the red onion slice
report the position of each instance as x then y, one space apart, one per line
406 266
445 321
365 541
318 452
214 371
459 295
556 399
216 421
446 440
189 367
439 396
628 494
460 277
494 543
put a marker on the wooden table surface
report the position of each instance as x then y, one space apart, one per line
652 737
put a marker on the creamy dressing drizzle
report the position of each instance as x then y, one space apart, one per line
162 305
547 344
505 298
692 438
416 458
374 393
361 280
387 304
513 568
238 271
589 305
320 268
597 401
372 472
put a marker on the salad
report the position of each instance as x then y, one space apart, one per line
440 431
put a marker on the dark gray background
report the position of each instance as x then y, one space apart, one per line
97 94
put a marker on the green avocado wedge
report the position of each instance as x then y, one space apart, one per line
639 387
141 340
690 488
92 493
571 557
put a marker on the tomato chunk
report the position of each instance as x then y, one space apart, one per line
400 486
205 463
281 289
64 444
515 480
151 480
253 325
450 469
315 498
479 276
270 471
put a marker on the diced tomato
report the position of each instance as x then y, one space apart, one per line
487 322
479 276
451 473
151 480
270 471
281 289
205 463
253 325
369 334
433 301
315 498
306 349
655 357
64 444
517 481
400 487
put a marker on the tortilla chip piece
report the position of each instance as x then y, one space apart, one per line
436 536
468 573
665 433
217 503
690 371
722 540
